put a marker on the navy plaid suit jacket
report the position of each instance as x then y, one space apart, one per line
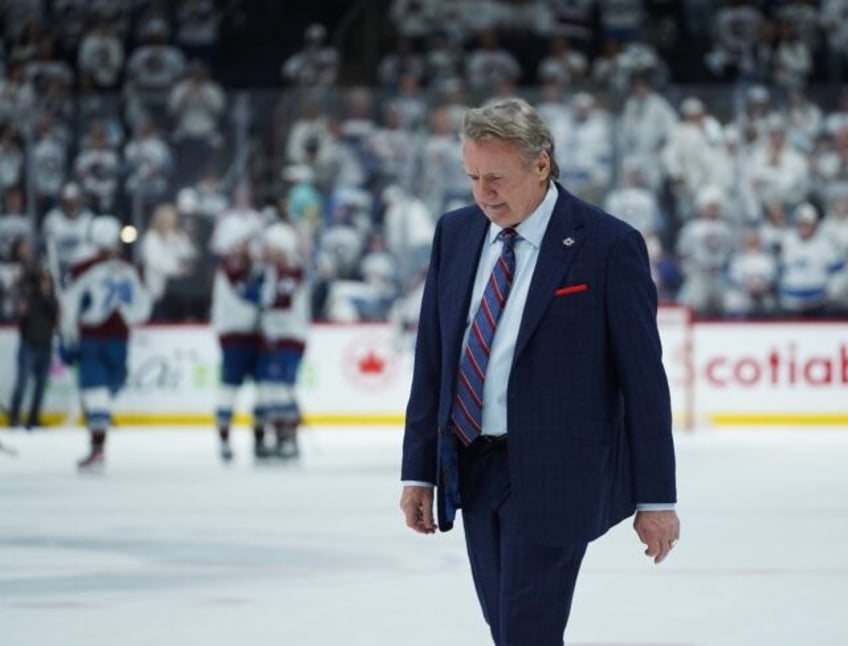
589 416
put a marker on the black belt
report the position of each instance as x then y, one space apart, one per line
493 440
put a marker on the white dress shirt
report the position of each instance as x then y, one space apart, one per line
531 232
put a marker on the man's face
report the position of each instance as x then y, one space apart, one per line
505 188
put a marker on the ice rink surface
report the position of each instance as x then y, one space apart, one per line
171 548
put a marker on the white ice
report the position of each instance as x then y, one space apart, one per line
170 547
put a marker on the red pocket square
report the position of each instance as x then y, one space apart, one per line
571 289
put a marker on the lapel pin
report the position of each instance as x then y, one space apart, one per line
568 242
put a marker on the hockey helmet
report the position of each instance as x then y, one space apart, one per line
105 232
232 232
281 238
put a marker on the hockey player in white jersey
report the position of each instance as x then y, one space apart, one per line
283 326
235 319
104 299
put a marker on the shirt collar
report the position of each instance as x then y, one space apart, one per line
533 228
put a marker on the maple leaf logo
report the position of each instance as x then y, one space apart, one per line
371 364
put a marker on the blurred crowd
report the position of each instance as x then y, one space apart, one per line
718 129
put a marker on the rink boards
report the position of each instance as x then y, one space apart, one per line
721 374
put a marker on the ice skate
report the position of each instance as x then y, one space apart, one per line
260 449
93 462
96 459
226 451
287 447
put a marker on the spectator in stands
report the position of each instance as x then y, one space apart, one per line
633 202
337 163
793 60
48 163
17 95
834 224
621 20
46 68
831 165
777 168
304 204
441 179
308 133
688 156
97 168
379 269
316 64
198 25
562 63
342 241
94 104
731 173
357 123
153 69
809 264
646 124
735 34
411 103
489 63
804 16
555 109
586 160
15 224
393 147
403 61
617 66
196 104
167 255
408 228
775 224
101 55
834 227
804 119
753 118
574 19
606 73
444 58
416 20
11 157
752 279
148 163
705 247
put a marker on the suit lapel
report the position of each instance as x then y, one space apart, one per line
560 246
461 266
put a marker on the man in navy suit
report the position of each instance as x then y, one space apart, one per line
573 434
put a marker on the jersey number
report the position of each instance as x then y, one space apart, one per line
118 292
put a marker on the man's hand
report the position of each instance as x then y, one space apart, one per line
417 506
659 530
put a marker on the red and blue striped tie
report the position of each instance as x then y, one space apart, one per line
468 404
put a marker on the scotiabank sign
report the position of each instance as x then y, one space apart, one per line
769 370
779 366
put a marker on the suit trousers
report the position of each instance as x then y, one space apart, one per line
525 589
